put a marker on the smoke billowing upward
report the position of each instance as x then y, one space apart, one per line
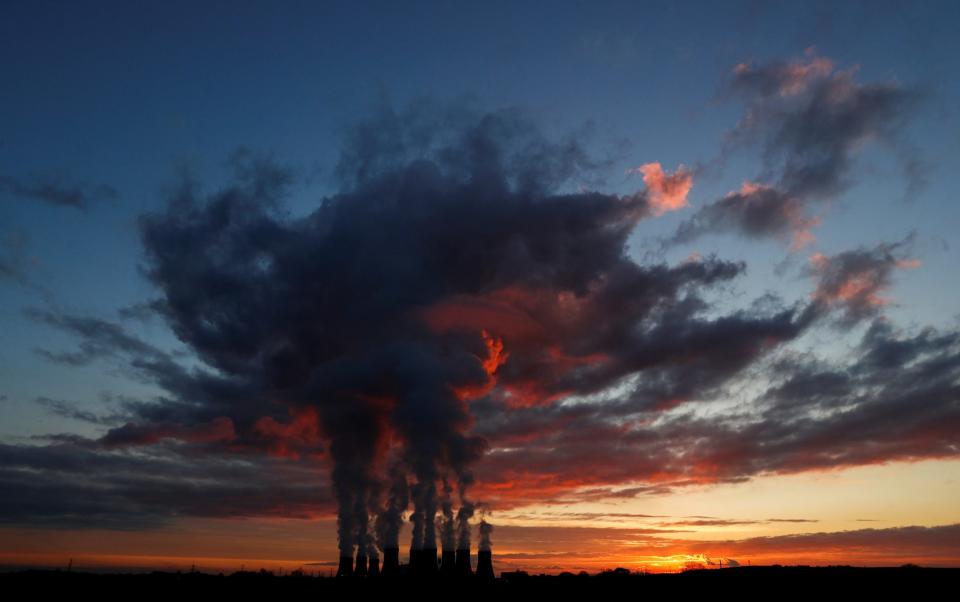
464 514
390 520
486 530
451 268
448 531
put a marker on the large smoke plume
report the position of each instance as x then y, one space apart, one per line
398 301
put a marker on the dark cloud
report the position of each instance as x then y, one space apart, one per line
131 434
722 522
461 313
811 121
142 312
855 280
895 398
568 516
99 339
755 211
75 484
592 548
15 263
903 541
196 403
449 268
72 410
715 522
467 142
56 191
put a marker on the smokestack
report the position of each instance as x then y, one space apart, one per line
448 561
463 563
428 561
391 561
361 570
373 570
413 568
346 567
485 565
484 556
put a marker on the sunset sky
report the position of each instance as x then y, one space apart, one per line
641 284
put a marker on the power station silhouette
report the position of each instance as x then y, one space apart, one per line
423 564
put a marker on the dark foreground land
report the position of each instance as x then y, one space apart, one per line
755 582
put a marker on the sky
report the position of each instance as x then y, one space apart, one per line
639 284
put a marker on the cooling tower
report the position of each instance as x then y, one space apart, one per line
463 563
448 561
346 567
428 561
391 561
485 565
361 569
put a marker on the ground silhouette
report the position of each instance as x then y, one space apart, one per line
751 582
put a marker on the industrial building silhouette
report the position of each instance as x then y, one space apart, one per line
422 563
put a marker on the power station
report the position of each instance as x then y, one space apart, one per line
452 564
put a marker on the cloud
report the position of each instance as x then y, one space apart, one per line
755 211
574 516
855 280
488 282
893 400
668 192
710 523
77 484
99 338
780 78
454 312
219 429
71 410
811 121
488 287
56 191
15 263
902 542
539 548
142 312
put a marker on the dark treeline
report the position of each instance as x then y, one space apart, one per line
740 581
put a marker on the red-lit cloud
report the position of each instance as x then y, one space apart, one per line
220 429
810 122
784 78
856 280
292 439
668 192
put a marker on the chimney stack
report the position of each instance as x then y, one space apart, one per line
463 563
391 561
346 567
413 568
428 561
373 570
361 570
448 561
485 565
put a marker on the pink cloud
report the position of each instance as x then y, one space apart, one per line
668 192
